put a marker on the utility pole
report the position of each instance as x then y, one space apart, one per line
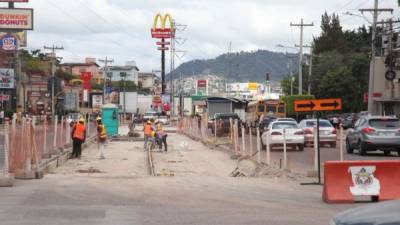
310 67
375 11
301 25
105 74
53 72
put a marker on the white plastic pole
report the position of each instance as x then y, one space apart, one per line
231 129
315 149
243 141
62 131
55 133
284 150
6 146
251 141
215 130
268 148
258 146
341 142
45 135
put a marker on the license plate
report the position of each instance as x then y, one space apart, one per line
386 134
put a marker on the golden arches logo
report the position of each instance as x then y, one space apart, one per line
163 20
163 31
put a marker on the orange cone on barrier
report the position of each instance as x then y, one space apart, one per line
347 180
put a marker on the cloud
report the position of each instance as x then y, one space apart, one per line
120 29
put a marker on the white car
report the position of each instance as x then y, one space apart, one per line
327 133
163 119
294 134
286 119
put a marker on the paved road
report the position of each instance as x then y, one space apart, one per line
112 198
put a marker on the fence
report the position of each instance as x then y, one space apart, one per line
32 140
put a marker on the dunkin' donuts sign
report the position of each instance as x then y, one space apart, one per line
16 19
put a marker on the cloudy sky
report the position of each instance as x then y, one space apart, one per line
120 29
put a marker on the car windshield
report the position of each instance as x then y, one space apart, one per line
384 123
285 126
322 123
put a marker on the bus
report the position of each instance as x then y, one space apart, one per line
256 109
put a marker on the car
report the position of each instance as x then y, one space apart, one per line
294 134
382 213
163 119
263 125
373 133
223 122
327 133
150 115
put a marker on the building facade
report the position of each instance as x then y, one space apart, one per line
129 72
89 65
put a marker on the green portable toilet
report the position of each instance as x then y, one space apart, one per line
110 115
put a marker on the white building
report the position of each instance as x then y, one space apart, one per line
130 69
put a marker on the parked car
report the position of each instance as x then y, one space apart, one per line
327 133
294 134
373 133
150 115
163 119
263 125
223 122
382 213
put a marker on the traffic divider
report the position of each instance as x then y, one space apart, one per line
346 181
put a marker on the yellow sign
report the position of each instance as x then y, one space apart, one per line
163 31
252 86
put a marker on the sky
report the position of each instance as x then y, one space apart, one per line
120 29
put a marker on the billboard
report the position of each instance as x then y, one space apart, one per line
16 19
163 31
201 83
8 42
252 86
7 78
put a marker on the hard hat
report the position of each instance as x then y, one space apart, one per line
82 120
98 118
157 121
149 122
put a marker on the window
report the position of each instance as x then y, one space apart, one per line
285 126
271 108
322 123
281 109
384 123
261 108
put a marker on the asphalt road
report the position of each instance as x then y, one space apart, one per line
124 194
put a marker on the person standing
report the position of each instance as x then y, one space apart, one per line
78 134
147 132
161 135
101 136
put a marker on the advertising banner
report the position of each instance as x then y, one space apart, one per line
7 78
97 101
8 42
16 19
70 103
21 36
201 83
112 96
253 86
86 77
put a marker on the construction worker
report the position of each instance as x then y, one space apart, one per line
101 136
78 134
147 132
161 135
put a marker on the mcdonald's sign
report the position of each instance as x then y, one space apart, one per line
163 31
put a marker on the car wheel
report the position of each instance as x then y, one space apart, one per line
349 149
361 148
387 153
301 148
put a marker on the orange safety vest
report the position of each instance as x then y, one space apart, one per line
148 129
80 131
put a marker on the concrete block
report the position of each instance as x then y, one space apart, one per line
6 181
25 175
39 174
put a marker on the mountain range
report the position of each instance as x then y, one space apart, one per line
242 66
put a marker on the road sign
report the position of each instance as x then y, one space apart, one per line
318 105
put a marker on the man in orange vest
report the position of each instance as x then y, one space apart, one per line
78 134
101 136
148 132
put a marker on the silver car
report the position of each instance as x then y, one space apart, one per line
327 133
373 133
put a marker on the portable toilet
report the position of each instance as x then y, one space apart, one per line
110 115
